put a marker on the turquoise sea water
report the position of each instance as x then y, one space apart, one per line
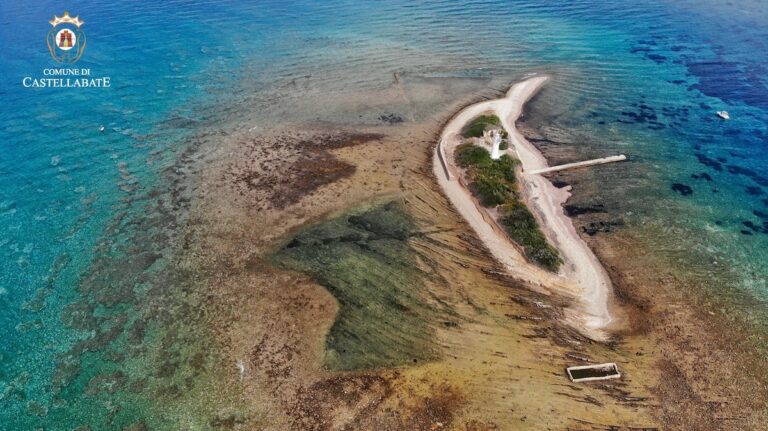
88 220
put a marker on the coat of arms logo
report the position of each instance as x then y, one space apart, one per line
66 41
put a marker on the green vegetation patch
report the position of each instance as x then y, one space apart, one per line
494 183
522 227
364 260
476 127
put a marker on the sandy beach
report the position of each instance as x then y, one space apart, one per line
582 277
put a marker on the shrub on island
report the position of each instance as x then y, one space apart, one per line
471 155
476 128
494 183
522 227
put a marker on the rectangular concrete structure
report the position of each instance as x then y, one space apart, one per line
586 373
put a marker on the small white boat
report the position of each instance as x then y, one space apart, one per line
101 128
724 115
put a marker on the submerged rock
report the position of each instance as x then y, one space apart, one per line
682 189
391 118
575 211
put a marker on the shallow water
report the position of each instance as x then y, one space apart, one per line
90 221
364 260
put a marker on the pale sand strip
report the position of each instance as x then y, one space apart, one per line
581 276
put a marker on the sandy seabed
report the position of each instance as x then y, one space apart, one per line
500 346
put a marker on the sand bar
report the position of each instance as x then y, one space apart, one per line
581 277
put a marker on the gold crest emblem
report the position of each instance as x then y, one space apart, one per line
66 40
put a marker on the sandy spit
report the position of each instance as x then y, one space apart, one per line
582 276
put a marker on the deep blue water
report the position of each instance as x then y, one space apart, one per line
644 79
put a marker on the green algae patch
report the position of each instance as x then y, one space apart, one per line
364 260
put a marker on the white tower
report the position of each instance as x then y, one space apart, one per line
496 142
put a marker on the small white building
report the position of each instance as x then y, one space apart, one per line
493 138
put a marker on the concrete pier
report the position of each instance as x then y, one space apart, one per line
592 162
